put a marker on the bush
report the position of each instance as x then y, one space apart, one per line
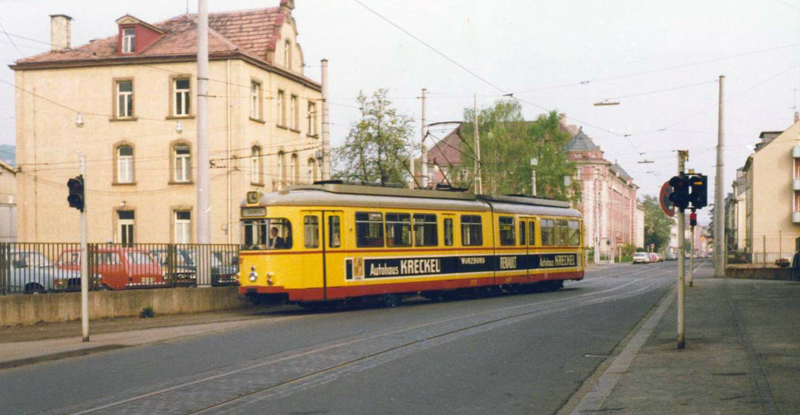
147 312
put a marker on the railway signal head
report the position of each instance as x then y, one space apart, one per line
76 193
680 191
699 195
693 219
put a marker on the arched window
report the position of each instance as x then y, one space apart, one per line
182 163
312 170
124 164
287 54
294 169
282 168
255 165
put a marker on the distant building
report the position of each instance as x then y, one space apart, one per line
608 202
772 196
8 205
128 103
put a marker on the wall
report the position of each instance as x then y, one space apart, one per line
772 198
30 309
47 133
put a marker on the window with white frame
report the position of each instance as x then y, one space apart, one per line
282 167
293 169
182 160
255 165
312 170
182 104
281 111
129 40
312 119
255 100
124 164
293 113
125 228
183 226
124 99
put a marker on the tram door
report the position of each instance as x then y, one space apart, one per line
333 268
314 255
527 238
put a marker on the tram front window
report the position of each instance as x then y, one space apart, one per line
266 234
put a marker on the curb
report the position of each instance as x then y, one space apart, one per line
58 356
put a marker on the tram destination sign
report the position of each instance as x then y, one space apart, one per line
372 268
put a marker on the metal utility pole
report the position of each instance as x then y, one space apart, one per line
719 209
597 216
326 124
423 151
534 163
682 154
84 258
477 179
203 169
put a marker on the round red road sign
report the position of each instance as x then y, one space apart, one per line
663 198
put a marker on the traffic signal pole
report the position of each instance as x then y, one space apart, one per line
84 259
681 258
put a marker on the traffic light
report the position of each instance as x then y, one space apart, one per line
680 191
693 219
76 190
699 195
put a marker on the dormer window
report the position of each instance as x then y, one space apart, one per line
129 40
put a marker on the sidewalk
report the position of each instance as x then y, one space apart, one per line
23 345
742 354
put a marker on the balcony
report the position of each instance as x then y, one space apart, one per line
796 151
796 184
795 217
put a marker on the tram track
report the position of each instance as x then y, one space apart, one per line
319 364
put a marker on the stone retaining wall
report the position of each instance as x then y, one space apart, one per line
30 309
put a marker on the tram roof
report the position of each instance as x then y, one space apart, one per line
344 194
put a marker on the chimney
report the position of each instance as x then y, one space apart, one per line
796 116
287 6
60 32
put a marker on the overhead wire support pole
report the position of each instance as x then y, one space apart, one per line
423 152
477 179
682 154
719 180
203 168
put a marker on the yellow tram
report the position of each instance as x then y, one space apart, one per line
333 241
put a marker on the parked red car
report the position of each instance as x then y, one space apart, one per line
120 267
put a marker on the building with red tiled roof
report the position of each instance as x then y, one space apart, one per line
127 102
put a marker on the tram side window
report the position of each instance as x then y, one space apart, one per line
426 231
334 232
448 232
506 227
471 230
266 234
532 234
398 229
369 229
562 232
574 233
522 232
548 237
311 231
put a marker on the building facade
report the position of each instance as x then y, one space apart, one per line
8 204
608 203
772 199
128 104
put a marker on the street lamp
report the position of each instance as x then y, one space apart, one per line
534 163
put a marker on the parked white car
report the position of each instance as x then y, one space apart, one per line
641 258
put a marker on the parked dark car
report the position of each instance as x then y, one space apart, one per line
179 266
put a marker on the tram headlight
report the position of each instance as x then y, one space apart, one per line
253 276
269 278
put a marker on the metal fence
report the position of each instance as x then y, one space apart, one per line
35 268
763 249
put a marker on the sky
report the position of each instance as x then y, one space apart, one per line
660 60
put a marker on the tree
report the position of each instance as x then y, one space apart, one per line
508 143
377 148
656 224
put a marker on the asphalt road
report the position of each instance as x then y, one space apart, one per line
511 354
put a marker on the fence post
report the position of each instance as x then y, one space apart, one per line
764 250
780 243
3 265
